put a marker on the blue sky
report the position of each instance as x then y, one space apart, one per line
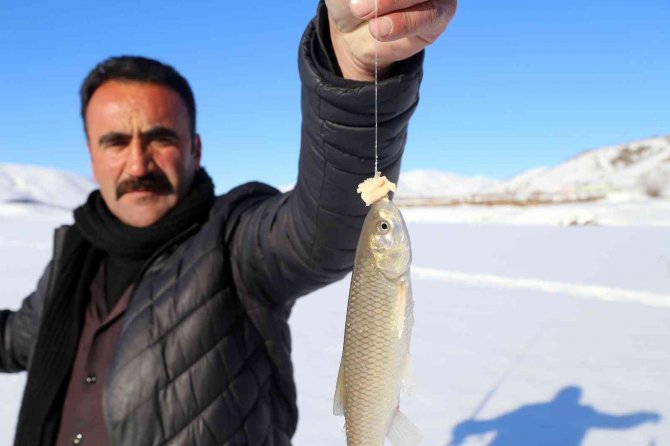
510 86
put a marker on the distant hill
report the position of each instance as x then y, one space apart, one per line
639 168
435 183
636 168
41 185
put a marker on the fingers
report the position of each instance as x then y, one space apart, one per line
365 9
425 20
347 14
401 27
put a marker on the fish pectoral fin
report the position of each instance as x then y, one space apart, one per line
401 309
338 401
402 432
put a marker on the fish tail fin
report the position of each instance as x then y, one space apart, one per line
402 432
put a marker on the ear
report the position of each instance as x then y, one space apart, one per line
90 160
196 149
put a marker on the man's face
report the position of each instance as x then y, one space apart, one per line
142 153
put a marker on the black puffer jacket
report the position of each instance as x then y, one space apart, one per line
203 357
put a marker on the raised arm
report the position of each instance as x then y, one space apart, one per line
626 421
292 244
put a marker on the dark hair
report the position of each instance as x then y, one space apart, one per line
137 69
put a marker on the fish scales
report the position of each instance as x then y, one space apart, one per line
374 355
377 330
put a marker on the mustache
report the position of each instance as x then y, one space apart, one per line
153 182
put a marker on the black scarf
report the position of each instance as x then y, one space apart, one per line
98 234
104 231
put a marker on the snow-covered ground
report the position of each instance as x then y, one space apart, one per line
527 330
506 317
633 210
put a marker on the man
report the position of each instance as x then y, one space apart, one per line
162 317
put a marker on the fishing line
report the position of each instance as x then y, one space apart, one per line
376 85
511 368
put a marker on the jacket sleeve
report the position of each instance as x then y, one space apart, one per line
291 244
18 329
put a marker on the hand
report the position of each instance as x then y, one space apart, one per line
402 29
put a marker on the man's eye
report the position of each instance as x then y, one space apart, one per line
164 141
115 143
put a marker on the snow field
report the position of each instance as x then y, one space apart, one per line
489 349
480 347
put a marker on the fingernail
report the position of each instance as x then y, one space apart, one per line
362 8
384 27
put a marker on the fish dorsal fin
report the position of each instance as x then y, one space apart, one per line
404 316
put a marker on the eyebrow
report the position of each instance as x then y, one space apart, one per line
158 132
112 137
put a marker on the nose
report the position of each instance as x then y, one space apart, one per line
140 160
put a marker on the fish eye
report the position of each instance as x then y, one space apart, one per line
383 226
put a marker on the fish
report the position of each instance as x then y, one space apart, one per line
380 314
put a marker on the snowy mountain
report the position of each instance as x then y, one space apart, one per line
44 186
637 168
627 172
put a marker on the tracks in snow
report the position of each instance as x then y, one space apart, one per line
592 292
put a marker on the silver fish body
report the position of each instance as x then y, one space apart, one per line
375 355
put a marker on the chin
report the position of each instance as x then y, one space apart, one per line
140 221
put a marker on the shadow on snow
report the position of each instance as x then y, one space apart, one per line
561 421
